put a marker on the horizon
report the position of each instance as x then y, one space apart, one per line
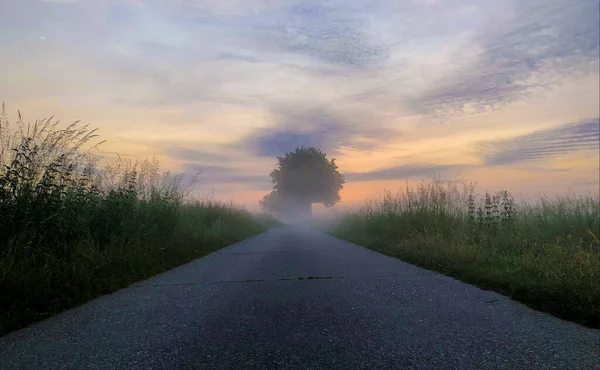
505 94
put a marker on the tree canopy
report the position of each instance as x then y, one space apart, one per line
271 202
307 176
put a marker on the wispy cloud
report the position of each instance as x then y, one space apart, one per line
389 51
330 32
255 79
210 175
58 1
536 37
539 145
426 171
185 154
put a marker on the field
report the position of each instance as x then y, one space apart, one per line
545 254
71 230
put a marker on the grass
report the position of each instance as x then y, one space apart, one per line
71 231
544 254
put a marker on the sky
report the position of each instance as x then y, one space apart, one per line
503 93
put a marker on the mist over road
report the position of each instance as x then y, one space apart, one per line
295 297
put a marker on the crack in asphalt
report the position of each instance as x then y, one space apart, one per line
299 278
292 251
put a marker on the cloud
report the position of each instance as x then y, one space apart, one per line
167 54
405 172
572 137
334 74
197 155
330 32
221 165
58 1
211 175
162 52
318 127
542 41
589 183
238 56
280 141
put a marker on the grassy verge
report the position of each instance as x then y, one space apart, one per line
546 255
71 231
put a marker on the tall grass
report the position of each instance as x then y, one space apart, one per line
71 230
545 254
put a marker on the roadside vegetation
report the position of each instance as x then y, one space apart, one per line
71 230
545 254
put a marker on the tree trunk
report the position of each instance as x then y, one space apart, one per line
295 209
307 211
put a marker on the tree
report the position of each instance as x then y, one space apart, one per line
303 177
271 202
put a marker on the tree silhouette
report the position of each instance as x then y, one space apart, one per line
303 177
272 202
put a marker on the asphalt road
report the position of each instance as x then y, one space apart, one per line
296 298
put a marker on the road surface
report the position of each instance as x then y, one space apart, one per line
296 298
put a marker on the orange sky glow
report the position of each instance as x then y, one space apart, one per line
505 93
